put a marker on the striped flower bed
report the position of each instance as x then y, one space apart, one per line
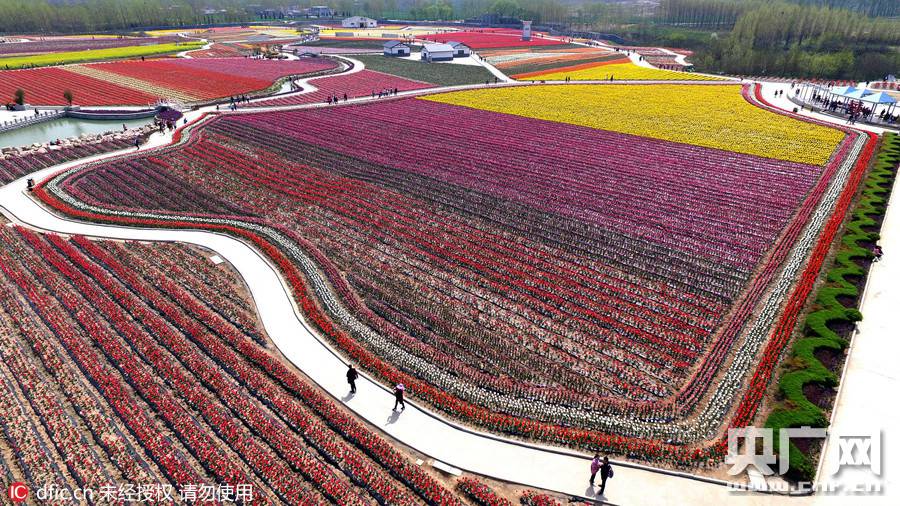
590 306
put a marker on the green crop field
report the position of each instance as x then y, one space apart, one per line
114 53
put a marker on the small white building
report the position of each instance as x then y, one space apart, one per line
437 52
460 50
396 48
359 22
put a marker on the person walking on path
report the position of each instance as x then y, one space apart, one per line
351 378
606 472
595 467
398 397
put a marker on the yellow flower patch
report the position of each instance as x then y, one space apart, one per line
713 116
625 72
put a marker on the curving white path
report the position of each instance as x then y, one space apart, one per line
533 465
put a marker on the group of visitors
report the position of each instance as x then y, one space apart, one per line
333 99
598 465
240 99
387 92
164 125
855 110
399 389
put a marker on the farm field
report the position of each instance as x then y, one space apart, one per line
136 82
621 71
519 63
573 264
440 74
487 39
40 60
70 44
131 363
699 115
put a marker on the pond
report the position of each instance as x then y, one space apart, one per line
64 127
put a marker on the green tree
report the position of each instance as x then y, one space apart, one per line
69 97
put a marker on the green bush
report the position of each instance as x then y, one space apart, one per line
797 410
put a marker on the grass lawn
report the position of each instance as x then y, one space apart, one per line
443 74
113 53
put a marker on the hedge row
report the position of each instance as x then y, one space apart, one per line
804 368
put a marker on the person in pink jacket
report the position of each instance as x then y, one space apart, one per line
595 467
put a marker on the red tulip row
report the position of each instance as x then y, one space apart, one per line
241 355
80 459
45 86
104 426
174 402
479 493
532 498
41 289
214 287
244 373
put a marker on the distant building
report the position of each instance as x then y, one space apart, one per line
437 52
460 50
359 22
526 30
396 48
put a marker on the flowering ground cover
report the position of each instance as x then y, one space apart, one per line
625 71
553 280
492 39
144 82
38 60
45 86
567 68
700 115
129 363
58 45
13 167
220 50
514 62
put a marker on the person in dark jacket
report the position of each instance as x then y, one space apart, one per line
398 397
351 378
606 472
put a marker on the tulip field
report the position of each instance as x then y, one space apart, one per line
136 82
616 70
130 363
491 39
608 267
